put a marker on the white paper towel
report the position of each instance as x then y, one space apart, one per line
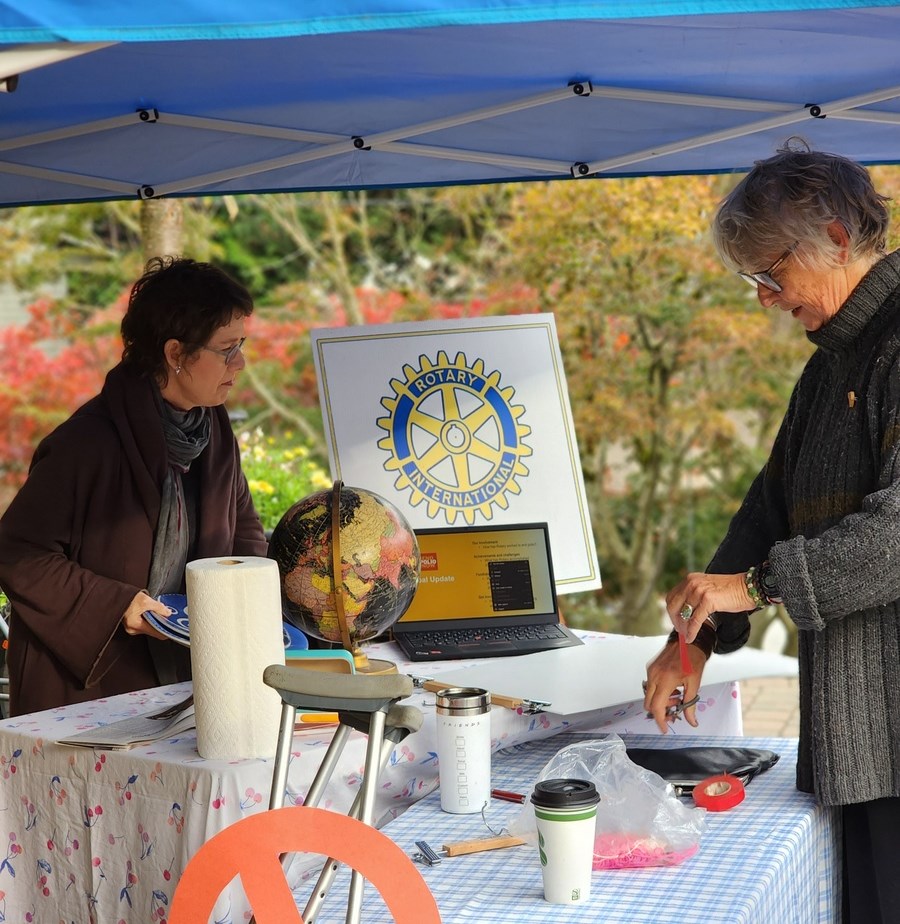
234 606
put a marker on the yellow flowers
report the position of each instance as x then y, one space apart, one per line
279 471
321 481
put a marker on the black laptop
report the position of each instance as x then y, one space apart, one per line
484 592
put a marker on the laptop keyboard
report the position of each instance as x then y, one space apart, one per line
451 638
453 644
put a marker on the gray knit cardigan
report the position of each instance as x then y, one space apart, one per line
825 510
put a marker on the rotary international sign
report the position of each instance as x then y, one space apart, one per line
460 422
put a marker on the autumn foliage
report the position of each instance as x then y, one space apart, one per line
45 374
51 365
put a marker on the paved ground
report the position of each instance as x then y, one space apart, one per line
770 707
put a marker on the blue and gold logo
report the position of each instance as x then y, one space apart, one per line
454 437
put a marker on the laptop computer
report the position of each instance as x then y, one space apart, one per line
483 592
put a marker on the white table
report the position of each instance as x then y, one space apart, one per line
102 837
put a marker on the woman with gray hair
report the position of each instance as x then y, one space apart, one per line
819 529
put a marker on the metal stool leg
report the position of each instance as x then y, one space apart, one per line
378 753
282 755
401 721
367 807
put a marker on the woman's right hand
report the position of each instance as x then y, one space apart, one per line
133 621
666 677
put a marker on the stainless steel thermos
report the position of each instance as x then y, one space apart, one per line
464 748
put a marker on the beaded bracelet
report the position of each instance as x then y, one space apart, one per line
765 581
753 590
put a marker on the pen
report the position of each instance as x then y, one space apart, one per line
506 796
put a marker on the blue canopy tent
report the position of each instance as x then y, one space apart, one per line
124 99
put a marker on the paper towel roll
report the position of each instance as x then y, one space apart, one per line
234 606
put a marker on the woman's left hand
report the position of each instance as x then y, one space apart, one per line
133 621
705 594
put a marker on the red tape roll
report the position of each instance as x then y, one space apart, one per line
719 793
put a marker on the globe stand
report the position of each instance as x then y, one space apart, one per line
364 665
375 667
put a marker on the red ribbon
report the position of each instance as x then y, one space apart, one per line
682 650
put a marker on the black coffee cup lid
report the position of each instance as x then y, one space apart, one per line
559 793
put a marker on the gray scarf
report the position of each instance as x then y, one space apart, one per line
187 434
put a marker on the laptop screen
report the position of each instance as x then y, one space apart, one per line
492 573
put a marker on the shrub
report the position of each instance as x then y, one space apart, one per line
280 472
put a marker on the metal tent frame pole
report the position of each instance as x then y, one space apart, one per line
324 145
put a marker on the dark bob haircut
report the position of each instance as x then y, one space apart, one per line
178 299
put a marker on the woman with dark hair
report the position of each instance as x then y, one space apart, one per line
143 478
819 529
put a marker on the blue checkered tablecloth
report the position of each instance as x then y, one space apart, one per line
773 859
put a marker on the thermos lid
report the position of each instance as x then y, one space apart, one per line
462 701
560 794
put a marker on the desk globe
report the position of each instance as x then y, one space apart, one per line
376 556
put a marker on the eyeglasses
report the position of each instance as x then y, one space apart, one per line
765 276
229 355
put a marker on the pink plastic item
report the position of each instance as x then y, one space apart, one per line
626 851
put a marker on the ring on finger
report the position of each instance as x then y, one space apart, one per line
686 612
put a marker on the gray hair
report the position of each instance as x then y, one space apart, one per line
791 198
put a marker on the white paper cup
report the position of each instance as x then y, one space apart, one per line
566 812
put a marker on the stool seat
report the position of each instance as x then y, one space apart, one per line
308 689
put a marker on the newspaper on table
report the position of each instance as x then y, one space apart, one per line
137 729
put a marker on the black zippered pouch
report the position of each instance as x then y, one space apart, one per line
684 768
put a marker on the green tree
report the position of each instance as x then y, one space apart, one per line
98 248
675 374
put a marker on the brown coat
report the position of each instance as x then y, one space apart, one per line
76 543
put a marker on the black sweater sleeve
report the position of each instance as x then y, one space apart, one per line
760 522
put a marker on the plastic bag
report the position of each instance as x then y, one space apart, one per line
640 821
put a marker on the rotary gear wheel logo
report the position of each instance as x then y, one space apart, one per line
454 437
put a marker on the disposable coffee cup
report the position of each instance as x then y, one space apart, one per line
566 812
464 748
